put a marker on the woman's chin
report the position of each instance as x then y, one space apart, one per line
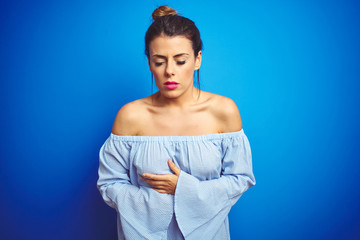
171 94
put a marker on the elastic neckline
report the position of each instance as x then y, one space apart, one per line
212 136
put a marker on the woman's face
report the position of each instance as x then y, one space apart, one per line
173 63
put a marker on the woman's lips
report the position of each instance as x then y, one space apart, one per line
171 85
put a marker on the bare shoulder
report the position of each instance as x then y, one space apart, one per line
127 121
226 112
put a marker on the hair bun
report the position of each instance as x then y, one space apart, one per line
163 11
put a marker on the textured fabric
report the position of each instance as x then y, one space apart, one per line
216 169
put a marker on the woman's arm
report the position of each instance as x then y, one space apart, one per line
203 206
143 213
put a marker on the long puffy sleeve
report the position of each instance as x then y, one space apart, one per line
202 207
142 212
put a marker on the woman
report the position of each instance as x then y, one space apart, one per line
178 160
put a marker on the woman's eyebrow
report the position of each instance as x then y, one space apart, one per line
180 54
177 55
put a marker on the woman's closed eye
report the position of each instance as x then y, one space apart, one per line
158 63
178 63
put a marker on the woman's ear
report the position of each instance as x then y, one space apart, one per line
198 59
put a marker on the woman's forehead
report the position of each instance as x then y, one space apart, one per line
175 45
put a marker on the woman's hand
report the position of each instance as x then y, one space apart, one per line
163 183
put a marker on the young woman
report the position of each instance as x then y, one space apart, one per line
178 160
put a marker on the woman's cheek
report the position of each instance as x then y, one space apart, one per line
189 72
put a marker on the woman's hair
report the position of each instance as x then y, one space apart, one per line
168 22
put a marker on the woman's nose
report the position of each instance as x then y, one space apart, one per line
169 71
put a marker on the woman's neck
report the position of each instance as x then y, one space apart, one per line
188 98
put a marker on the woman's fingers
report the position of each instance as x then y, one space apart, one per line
163 183
163 186
155 176
173 167
153 182
160 186
161 190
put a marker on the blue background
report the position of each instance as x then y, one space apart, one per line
292 67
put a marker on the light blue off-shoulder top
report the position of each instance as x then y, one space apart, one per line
216 169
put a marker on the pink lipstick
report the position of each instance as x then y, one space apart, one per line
171 85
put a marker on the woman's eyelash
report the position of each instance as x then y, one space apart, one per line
178 62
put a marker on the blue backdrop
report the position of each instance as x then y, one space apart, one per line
292 67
